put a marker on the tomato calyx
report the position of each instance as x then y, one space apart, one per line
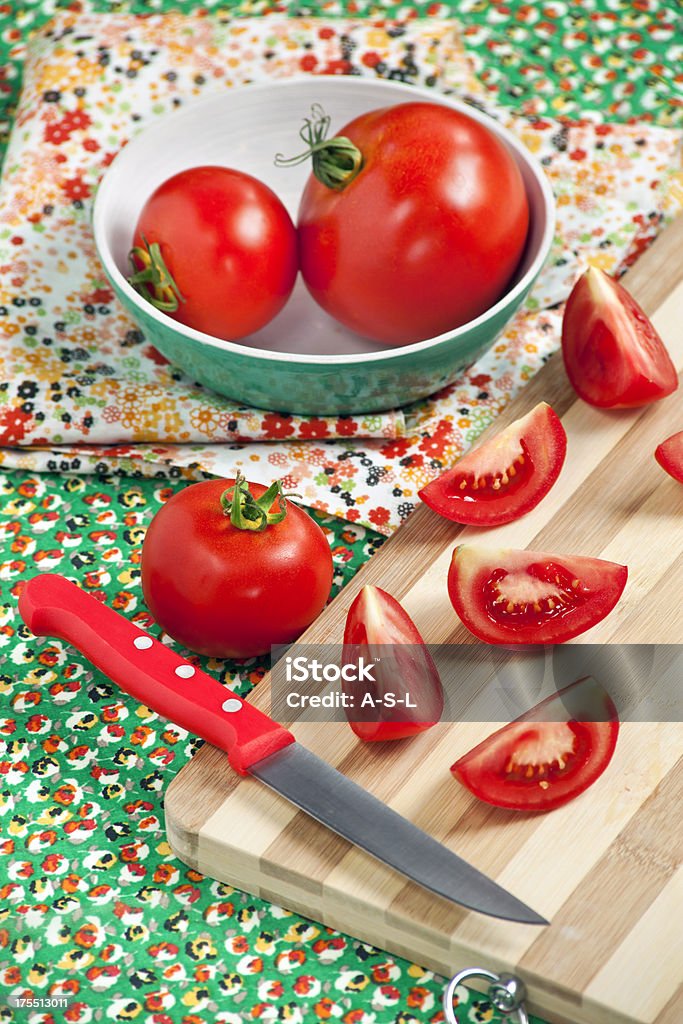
152 278
249 513
336 161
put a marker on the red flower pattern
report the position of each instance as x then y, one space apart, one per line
76 119
436 444
76 189
379 516
346 427
397 448
314 428
56 132
277 425
15 425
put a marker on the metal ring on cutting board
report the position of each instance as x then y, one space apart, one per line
506 993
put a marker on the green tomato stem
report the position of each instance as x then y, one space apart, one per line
153 280
249 513
336 161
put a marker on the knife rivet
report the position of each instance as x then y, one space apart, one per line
231 704
143 643
185 671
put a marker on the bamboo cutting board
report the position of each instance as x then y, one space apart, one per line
607 869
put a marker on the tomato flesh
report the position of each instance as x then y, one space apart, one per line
613 355
531 597
669 455
231 593
376 621
549 755
229 245
419 242
505 477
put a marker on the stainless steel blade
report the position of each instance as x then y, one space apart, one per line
333 799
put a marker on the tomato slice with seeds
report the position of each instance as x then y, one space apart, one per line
669 455
507 596
613 355
549 755
506 476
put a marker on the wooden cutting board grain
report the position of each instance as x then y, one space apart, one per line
607 869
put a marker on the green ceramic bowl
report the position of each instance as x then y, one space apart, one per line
303 361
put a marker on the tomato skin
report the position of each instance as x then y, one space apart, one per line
669 455
572 592
231 593
229 245
400 255
538 438
374 620
518 767
614 357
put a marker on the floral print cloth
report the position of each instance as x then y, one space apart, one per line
92 902
80 388
611 58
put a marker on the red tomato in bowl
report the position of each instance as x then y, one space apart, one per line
377 627
549 755
216 250
531 597
613 355
428 233
232 591
506 476
669 455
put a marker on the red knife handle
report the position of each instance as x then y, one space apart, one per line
51 605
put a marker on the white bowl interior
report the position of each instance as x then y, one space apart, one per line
244 129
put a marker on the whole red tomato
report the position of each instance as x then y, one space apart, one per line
229 577
216 250
424 236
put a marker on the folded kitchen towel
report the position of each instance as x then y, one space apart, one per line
81 389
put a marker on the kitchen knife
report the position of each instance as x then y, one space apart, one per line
51 605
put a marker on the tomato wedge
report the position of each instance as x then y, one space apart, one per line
506 596
505 477
406 691
669 455
613 355
549 755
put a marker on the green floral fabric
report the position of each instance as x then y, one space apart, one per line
94 909
619 58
